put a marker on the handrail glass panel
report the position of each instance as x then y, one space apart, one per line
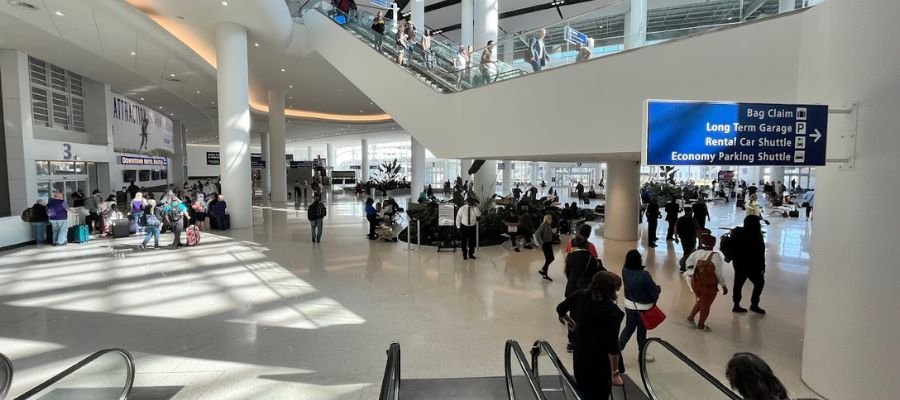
555 381
510 56
104 375
672 375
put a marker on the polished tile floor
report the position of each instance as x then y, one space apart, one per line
263 313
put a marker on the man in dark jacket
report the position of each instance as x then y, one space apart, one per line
672 210
701 212
748 254
653 216
687 231
316 213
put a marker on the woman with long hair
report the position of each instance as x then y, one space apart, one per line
594 314
753 378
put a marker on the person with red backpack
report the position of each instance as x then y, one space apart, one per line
704 271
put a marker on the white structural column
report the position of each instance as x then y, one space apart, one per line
417 165
852 314
309 153
786 5
329 152
276 161
467 20
777 175
487 15
506 185
179 173
486 178
266 153
623 200
636 24
364 168
464 165
508 52
417 11
234 121
534 172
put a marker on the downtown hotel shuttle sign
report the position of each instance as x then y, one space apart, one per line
718 133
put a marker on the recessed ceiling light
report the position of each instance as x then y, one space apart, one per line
60 13
282 70
214 102
290 97
160 107
256 44
133 53
142 99
291 86
225 3
198 92
172 75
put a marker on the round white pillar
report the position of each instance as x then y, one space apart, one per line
506 186
277 146
486 178
417 14
636 24
464 165
265 149
234 122
852 297
329 152
486 19
309 153
467 20
417 166
623 200
364 169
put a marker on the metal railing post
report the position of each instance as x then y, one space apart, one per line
418 234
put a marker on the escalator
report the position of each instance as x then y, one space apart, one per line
521 381
672 375
592 107
105 375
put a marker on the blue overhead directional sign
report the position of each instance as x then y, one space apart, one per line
712 133
382 3
573 36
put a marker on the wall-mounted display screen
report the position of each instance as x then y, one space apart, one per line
155 175
144 175
129 175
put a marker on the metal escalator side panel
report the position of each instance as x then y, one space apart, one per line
512 349
128 366
390 384
6 375
686 376
566 379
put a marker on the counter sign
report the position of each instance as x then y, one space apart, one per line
711 133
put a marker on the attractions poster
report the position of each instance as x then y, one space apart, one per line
137 129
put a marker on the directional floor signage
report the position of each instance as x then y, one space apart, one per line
712 133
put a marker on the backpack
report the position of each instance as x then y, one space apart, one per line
727 243
705 273
26 215
150 219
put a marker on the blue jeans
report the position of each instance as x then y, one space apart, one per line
317 226
632 321
40 232
60 231
151 231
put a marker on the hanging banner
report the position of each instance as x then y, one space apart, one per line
137 129
133 160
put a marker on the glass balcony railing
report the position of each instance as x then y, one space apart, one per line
578 39
104 375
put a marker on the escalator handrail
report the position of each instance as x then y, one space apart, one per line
685 359
542 346
513 349
390 384
129 375
6 365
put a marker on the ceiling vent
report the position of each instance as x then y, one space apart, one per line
23 4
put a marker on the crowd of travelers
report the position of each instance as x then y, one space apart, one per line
191 209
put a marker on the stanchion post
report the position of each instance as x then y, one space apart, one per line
409 238
418 235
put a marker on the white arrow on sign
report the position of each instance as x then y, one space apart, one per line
816 136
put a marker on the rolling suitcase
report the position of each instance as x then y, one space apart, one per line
193 235
132 227
120 229
79 234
